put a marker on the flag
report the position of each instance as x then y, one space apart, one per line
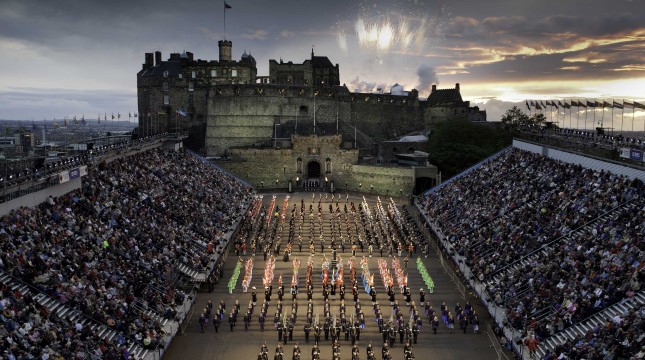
542 103
574 103
605 104
537 105
65 122
104 116
129 115
181 113
112 116
617 105
532 103
591 104
226 6
118 116
135 114
567 105
639 106
560 104
627 103
582 104
527 105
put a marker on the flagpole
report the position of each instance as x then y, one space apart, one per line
612 117
586 114
224 20
622 116
633 111
578 115
602 115
336 122
594 114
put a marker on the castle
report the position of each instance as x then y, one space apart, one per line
227 109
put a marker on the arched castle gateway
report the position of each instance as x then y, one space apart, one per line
324 158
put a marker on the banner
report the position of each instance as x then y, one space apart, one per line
63 177
74 173
636 155
625 153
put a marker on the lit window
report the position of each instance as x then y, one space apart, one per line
234 73
193 74
180 76
165 86
213 73
166 100
191 86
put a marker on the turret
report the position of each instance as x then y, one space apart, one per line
225 50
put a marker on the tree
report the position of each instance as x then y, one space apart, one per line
457 144
514 118
537 119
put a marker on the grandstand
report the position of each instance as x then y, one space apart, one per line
122 263
554 249
108 270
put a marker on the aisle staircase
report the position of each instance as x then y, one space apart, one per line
71 315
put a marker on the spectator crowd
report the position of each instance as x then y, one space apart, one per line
110 251
581 232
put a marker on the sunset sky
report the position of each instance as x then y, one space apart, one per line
72 57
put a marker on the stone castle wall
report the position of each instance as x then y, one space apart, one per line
262 167
245 115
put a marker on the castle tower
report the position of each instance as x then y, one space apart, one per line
225 50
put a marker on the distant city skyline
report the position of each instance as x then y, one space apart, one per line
71 58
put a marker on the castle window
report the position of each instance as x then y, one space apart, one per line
304 110
213 73
180 76
193 74
234 73
166 100
191 86
165 86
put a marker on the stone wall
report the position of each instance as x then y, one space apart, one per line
262 167
383 180
384 116
247 115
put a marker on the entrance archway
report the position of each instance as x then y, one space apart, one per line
313 169
422 184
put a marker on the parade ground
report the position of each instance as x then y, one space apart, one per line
193 344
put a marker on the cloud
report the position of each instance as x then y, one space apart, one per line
427 77
287 34
258 34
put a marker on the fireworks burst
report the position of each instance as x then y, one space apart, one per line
394 27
